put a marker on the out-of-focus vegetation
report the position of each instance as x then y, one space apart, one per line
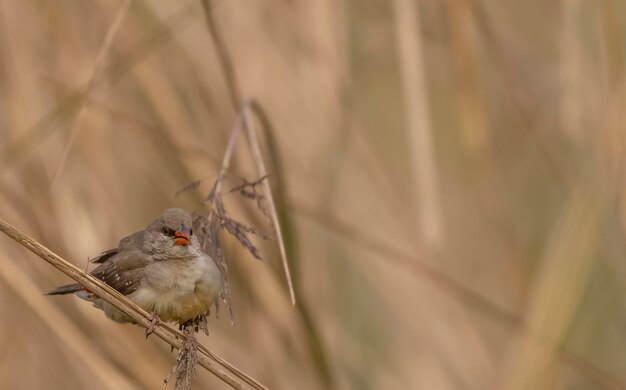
453 173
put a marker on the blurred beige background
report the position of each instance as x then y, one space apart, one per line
453 173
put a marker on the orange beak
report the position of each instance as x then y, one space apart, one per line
182 236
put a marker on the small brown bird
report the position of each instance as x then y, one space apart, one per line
162 269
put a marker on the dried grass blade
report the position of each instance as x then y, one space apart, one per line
258 159
97 69
80 347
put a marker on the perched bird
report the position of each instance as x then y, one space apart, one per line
162 269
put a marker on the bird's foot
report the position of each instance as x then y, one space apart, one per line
203 323
154 322
198 323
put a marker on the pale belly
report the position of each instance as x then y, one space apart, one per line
176 305
177 290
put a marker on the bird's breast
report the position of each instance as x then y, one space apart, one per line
179 290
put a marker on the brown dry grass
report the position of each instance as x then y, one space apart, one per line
522 289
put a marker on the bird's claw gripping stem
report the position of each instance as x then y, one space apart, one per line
154 322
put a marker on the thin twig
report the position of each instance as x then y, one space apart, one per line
220 368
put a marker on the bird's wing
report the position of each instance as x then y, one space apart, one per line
122 269
106 255
134 241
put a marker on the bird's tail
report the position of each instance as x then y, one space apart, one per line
67 289
76 289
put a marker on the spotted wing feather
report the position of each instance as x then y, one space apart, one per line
122 270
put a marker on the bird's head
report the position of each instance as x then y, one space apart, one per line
171 235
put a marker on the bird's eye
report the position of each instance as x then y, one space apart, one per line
168 232
191 232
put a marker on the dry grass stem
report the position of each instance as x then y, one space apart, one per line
237 229
75 341
97 69
422 149
223 370
258 158
557 293
222 55
473 118
571 69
